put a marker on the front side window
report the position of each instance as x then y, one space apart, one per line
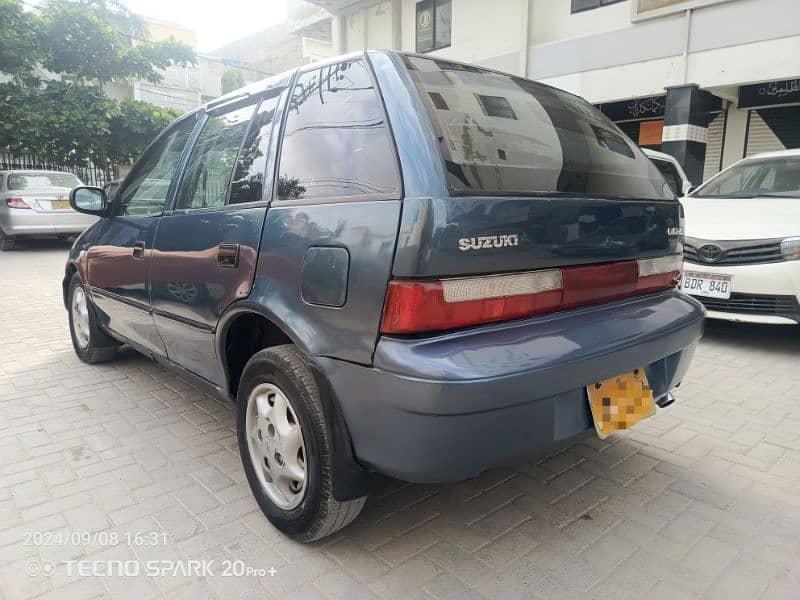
205 179
336 143
434 24
755 178
41 181
145 191
501 134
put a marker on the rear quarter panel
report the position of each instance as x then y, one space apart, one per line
367 230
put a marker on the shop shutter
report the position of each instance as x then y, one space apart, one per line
714 143
760 138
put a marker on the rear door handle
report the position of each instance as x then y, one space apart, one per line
138 251
228 255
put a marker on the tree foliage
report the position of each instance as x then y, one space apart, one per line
232 79
91 42
134 126
59 60
19 38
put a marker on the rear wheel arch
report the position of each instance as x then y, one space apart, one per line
70 270
237 344
241 334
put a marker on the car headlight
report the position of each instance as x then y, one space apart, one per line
791 248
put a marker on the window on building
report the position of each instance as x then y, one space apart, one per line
208 171
581 5
434 24
335 143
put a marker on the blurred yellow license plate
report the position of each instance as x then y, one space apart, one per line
620 402
59 204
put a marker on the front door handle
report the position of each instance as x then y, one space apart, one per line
228 255
138 251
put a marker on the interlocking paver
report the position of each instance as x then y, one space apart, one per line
702 501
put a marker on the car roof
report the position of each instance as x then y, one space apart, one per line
284 78
775 154
33 172
657 154
669 158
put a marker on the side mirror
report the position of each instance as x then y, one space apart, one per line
89 200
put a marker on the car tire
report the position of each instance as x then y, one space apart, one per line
7 242
91 344
272 378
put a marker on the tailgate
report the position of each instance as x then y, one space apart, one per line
475 235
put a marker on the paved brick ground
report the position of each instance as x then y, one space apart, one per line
701 501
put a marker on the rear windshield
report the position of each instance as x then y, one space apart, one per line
500 134
38 181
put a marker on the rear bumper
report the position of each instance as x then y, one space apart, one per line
28 222
449 407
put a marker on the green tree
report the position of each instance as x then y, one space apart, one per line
19 38
232 79
87 43
92 41
134 126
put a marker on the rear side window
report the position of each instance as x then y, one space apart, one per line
670 173
500 134
335 142
247 184
208 171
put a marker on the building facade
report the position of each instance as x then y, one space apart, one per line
179 87
709 81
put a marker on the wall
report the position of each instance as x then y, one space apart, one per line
483 33
602 55
369 28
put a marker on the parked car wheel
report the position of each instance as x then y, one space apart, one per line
91 344
6 242
285 446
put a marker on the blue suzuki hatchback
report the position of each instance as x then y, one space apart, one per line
397 266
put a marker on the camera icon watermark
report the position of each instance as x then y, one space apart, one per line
35 568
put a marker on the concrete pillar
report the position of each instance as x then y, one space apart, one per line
687 113
524 36
397 20
339 34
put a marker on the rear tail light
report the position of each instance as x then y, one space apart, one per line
16 203
659 273
419 306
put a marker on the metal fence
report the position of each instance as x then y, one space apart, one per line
90 174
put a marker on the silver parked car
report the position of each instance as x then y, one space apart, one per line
36 203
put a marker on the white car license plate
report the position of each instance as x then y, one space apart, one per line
707 284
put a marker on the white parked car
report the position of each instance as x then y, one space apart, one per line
742 248
672 171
